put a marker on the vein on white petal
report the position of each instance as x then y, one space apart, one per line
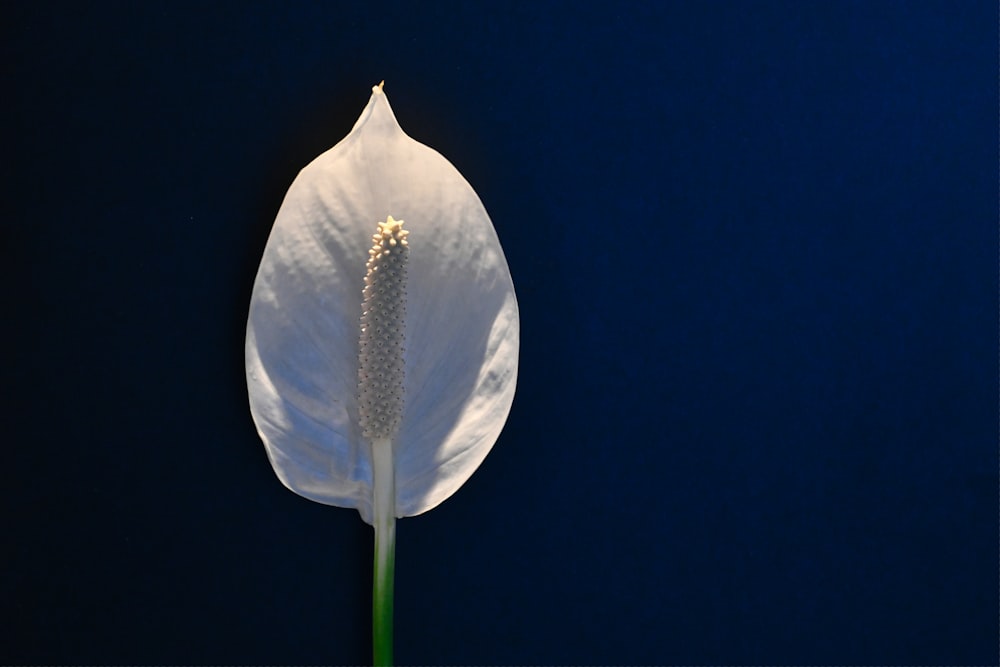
313 449
295 358
456 441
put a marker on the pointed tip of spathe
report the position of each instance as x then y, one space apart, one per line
378 111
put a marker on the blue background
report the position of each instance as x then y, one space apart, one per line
755 250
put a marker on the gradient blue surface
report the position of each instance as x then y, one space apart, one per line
755 249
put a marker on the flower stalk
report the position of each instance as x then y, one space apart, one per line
385 552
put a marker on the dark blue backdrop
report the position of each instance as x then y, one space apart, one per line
755 248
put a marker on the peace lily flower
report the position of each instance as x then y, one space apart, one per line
382 340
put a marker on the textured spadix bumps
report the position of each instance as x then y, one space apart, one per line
383 325
304 355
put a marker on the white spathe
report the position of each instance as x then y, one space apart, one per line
303 330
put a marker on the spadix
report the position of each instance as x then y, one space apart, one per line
381 360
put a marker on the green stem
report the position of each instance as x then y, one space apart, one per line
384 481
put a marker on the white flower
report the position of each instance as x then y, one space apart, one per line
460 323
